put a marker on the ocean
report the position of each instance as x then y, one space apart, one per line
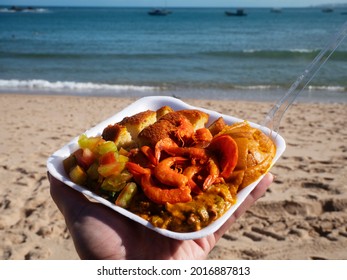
192 52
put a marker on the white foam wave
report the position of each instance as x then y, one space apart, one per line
257 87
280 50
326 88
302 50
251 51
272 87
67 85
23 10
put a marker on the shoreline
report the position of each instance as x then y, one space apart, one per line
302 216
249 95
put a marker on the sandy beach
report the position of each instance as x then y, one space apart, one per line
302 216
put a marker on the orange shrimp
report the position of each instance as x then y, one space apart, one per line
214 174
195 154
202 137
148 152
163 145
162 196
168 176
227 153
156 193
185 129
171 148
190 172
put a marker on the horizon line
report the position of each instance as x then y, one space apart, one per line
149 7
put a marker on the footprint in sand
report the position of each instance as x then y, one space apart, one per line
294 208
303 209
37 253
252 236
298 159
316 185
334 205
229 237
252 254
6 253
285 167
268 233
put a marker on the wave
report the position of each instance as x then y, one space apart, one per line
285 87
326 88
91 88
267 87
23 10
69 86
90 55
276 54
339 55
256 87
290 50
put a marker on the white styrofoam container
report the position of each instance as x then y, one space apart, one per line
55 162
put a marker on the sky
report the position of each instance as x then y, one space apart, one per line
173 3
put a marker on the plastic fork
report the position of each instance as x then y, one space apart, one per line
274 116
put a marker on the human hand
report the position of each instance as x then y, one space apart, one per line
101 233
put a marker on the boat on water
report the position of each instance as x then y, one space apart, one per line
17 9
327 10
276 10
159 12
238 13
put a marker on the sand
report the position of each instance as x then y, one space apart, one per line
302 216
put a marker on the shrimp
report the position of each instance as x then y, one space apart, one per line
198 171
180 128
156 193
202 138
195 154
227 153
168 176
190 172
163 196
148 152
185 129
214 174
171 148
163 145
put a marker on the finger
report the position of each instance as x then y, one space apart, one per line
258 192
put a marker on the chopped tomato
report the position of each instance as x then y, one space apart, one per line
84 157
107 158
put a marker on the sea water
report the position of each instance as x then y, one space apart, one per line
193 52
